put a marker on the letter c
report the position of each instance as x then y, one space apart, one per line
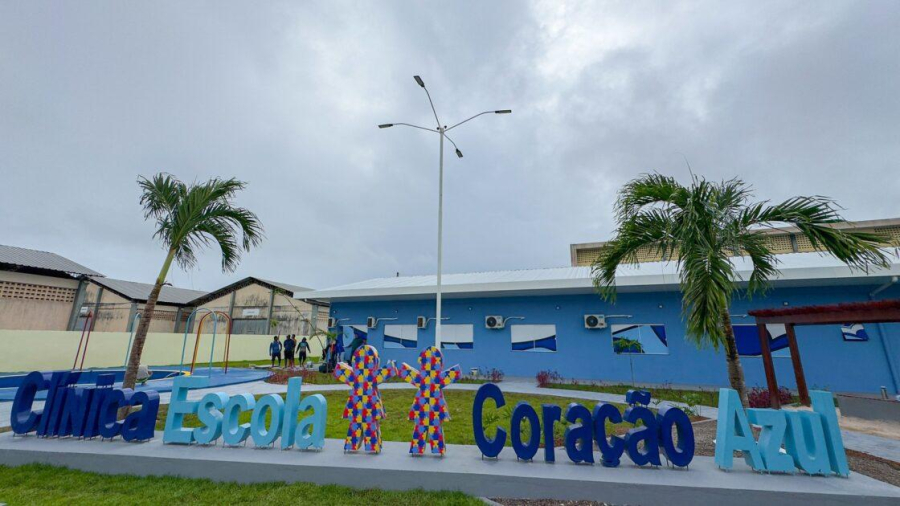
22 418
489 447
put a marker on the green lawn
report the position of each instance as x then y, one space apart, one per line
43 484
396 427
236 363
281 376
690 397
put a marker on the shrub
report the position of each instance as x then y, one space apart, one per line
759 397
546 378
494 375
281 376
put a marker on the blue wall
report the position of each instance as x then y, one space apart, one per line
829 362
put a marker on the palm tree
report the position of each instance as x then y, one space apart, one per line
189 217
701 227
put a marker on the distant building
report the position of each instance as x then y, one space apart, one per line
783 240
259 306
114 303
40 290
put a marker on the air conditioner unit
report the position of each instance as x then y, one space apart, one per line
371 322
494 322
594 321
332 322
421 322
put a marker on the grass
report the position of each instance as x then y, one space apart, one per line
690 397
246 364
396 427
281 376
43 484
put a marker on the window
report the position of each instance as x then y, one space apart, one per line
457 337
854 332
536 338
353 332
747 339
401 336
640 339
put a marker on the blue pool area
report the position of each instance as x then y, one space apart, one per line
160 379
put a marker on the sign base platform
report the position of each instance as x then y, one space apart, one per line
462 469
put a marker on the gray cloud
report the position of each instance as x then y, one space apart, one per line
796 98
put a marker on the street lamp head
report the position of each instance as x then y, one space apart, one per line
386 125
458 153
503 111
419 80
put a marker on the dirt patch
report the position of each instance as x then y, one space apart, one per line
872 427
874 467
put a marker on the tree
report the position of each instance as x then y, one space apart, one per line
188 218
702 227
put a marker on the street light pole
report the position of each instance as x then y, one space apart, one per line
441 130
440 254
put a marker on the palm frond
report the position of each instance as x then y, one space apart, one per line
647 190
816 217
190 218
652 228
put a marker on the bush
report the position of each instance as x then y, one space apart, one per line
546 378
310 377
759 397
494 375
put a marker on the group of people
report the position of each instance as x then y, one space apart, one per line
289 347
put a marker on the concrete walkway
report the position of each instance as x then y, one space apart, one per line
462 469
873 445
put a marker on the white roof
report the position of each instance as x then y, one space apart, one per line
797 269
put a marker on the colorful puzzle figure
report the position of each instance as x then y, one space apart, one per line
429 408
364 407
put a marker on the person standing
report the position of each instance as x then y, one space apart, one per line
289 344
275 351
303 348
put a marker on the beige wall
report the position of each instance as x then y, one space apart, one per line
46 350
115 311
256 297
47 307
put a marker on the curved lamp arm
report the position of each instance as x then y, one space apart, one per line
389 125
500 111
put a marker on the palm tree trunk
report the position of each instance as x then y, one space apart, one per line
137 348
735 370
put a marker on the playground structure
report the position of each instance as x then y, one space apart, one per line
216 315
88 326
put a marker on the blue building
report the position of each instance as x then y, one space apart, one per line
525 321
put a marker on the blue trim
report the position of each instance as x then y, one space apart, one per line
547 343
400 343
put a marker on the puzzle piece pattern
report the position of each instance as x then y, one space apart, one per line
429 408
364 408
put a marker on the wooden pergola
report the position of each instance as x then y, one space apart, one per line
884 311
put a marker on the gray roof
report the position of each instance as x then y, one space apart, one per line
286 286
297 292
42 260
139 292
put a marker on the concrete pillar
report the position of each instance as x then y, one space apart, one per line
271 310
97 307
231 304
131 313
76 304
314 319
178 312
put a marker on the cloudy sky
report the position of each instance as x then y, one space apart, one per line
794 97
